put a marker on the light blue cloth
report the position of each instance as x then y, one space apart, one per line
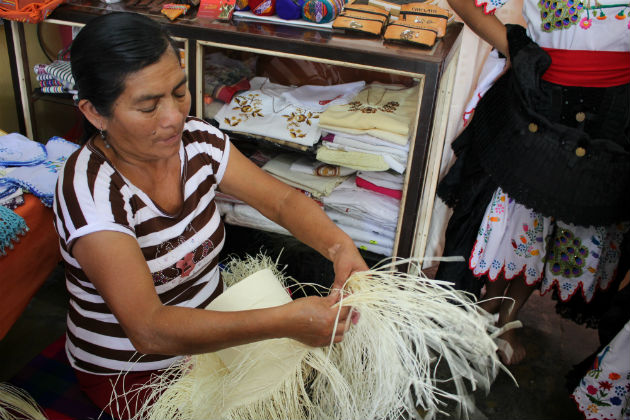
17 150
40 180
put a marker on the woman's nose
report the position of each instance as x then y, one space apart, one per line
173 112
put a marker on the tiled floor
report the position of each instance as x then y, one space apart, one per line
553 345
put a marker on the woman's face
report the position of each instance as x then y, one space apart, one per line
147 119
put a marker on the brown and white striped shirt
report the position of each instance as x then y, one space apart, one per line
181 251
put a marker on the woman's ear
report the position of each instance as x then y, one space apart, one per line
93 116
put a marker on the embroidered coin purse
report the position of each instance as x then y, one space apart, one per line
410 33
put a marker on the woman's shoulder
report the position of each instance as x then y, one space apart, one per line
201 128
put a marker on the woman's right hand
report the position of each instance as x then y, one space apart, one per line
312 320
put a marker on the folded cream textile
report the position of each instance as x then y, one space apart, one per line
361 203
383 179
380 110
313 167
319 186
396 159
319 98
354 160
259 113
358 223
358 158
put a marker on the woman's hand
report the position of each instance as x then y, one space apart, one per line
346 260
312 320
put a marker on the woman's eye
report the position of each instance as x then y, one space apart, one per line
179 94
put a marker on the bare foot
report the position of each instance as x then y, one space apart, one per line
511 351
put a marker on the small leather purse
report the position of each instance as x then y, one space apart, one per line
422 9
410 33
362 19
426 16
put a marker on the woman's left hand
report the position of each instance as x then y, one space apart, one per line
346 260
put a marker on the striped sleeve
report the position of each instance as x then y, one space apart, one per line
85 204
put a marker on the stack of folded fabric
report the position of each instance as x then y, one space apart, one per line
283 167
285 113
372 131
308 176
387 183
55 77
34 168
362 152
372 211
366 234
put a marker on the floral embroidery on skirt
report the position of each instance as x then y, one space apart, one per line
515 240
604 392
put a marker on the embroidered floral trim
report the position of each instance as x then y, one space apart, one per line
604 392
489 6
297 118
250 106
356 106
562 14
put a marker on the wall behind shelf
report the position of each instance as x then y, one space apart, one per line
51 119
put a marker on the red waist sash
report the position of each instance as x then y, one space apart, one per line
588 68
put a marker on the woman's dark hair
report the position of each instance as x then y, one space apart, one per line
107 50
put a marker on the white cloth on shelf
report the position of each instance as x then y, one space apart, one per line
367 237
265 113
377 249
365 225
319 186
394 155
364 204
383 179
318 98
247 216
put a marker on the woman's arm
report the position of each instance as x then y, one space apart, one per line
488 27
114 263
293 210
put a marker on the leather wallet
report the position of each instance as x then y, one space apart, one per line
409 33
422 9
433 23
365 8
372 25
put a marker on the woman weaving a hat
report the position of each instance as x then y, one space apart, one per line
139 229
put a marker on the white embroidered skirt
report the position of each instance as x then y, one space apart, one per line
514 240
